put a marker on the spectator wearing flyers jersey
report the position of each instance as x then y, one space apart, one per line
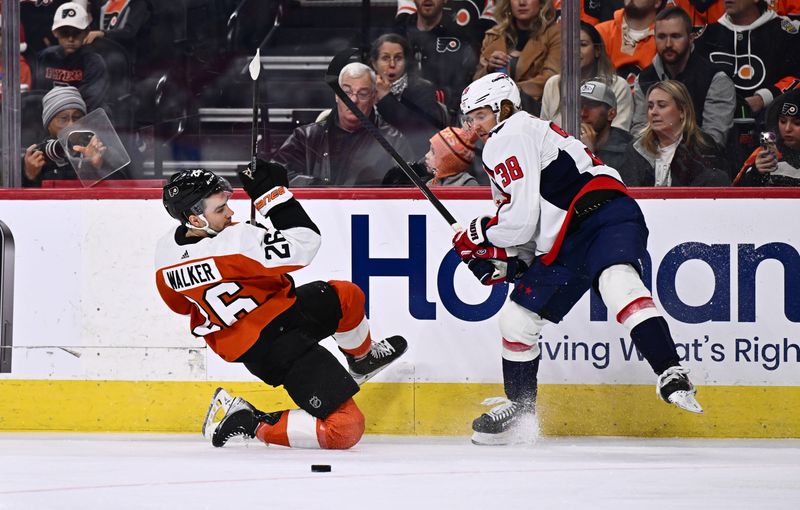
476 16
758 49
70 63
629 36
444 53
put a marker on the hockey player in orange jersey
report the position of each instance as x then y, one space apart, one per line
231 279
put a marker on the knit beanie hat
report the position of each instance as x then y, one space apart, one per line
453 150
60 99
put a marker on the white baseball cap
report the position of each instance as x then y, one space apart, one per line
71 14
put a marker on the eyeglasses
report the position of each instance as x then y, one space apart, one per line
65 117
361 95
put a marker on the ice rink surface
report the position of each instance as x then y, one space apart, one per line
112 471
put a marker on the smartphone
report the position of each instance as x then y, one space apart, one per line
767 141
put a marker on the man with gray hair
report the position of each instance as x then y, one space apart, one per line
337 150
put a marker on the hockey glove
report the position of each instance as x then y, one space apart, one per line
466 242
266 185
493 271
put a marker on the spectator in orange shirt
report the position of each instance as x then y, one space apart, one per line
629 36
701 12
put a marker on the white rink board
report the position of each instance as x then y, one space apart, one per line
84 282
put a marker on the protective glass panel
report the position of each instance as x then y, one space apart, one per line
93 148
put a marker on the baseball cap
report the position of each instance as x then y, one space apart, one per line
600 92
71 14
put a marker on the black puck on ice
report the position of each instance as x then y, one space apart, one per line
320 468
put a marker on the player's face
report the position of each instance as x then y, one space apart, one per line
481 121
588 51
789 128
664 115
361 91
217 212
672 40
391 63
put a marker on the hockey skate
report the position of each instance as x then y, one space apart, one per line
229 417
380 355
506 423
674 387
220 403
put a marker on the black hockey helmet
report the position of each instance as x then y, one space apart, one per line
185 191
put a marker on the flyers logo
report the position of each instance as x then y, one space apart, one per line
68 13
445 44
748 76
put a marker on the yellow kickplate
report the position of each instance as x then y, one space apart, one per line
404 408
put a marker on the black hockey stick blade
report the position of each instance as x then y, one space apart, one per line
332 79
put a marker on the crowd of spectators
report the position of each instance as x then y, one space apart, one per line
673 92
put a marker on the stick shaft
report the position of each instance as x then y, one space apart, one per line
254 142
378 136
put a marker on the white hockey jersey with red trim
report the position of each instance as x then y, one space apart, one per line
233 284
538 172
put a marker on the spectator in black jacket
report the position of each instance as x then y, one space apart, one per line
69 63
711 89
758 49
444 53
126 23
598 111
405 101
338 151
672 150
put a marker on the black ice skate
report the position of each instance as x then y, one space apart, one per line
674 387
229 417
380 355
506 423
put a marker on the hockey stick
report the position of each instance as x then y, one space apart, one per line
255 70
332 79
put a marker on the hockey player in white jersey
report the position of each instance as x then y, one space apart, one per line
231 280
564 223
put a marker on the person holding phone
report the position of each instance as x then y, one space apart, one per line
776 162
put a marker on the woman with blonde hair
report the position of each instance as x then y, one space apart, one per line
595 66
672 151
525 44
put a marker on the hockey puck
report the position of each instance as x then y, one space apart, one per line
320 468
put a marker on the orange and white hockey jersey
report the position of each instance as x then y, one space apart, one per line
233 284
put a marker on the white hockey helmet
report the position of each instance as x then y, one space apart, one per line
490 90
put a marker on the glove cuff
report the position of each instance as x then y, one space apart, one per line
274 197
